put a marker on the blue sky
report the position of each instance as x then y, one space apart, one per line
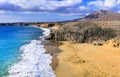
52 10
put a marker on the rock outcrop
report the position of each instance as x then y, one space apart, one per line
83 33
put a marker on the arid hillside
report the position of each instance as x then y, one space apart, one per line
99 27
103 15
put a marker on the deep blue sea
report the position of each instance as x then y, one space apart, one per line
11 39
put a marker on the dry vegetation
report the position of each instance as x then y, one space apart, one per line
83 32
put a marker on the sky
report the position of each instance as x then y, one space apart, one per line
52 10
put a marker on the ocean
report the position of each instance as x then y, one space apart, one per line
21 52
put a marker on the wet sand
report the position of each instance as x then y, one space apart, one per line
53 49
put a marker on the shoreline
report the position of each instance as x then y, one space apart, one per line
52 48
32 54
85 58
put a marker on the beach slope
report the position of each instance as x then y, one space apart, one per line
87 60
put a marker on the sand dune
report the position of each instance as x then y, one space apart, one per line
86 60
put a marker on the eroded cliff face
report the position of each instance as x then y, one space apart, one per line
83 33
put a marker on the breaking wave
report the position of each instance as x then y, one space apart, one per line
34 61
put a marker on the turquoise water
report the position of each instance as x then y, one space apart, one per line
11 39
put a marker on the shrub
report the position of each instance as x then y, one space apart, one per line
83 32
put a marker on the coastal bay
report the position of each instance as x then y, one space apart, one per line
21 47
59 38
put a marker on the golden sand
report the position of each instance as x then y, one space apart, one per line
86 60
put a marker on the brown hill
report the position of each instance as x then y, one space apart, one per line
103 15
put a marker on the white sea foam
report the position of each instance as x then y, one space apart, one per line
34 62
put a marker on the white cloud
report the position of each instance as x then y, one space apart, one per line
110 3
42 4
58 6
2 11
105 4
96 3
118 1
118 11
9 18
83 8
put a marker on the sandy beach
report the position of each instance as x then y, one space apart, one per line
85 60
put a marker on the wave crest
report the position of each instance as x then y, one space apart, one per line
34 62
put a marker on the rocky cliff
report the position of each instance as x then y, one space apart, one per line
83 33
